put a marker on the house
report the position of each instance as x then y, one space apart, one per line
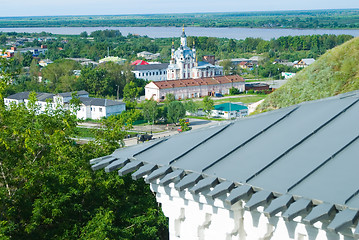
246 65
84 61
34 50
305 62
139 62
257 86
151 72
97 108
229 111
193 88
45 62
288 75
92 108
290 173
112 59
148 55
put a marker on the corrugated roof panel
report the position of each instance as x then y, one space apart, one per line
308 155
331 182
175 146
275 142
229 139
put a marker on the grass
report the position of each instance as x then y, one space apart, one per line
244 99
84 132
336 72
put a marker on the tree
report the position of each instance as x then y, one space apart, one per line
84 34
207 105
52 73
27 59
150 110
131 91
175 111
191 106
233 91
47 188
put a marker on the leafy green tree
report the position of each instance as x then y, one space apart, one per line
47 188
150 111
233 91
53 73
131 91
191 106
3 39
170 98
84 34
27 59
175 111
207 105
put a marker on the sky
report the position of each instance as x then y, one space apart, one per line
117 7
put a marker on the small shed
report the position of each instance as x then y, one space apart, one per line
230 110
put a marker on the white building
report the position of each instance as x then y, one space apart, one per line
97 108
289 174
148 55
151 72
90 108
193 88
183 64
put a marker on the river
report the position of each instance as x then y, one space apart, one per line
168 32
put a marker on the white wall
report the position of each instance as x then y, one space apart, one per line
198 217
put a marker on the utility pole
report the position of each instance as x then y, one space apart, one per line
118 92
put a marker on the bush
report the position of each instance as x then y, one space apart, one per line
233 91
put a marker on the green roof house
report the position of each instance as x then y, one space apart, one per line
229 110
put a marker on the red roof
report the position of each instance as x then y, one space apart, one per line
139 62
198 81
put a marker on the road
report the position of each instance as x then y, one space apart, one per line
194 123
162 130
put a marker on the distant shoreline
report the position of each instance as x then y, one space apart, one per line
295 19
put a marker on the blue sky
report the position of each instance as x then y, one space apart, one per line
114 7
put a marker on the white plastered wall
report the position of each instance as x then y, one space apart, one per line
198 217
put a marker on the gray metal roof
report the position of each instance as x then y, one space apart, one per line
307 153
25 95
69 94
161 66
88 101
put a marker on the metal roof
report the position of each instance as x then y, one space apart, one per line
88 101
300 161
160 66
229 107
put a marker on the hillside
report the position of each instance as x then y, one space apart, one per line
337 71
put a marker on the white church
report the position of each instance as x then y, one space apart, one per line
184 65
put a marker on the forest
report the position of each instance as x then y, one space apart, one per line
334 19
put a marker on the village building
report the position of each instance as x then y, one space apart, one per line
90 108
305 62
151 72
291 173
184 65
193 88
148 55
112 59
229 111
